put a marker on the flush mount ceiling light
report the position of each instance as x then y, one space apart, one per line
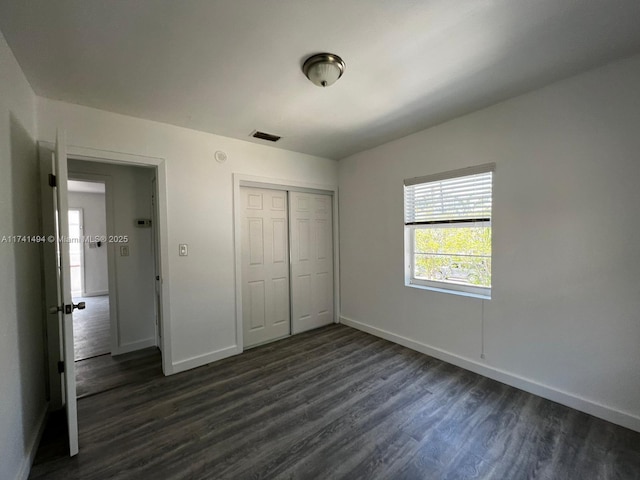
323 69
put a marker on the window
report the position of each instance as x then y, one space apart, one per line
447 220
76 251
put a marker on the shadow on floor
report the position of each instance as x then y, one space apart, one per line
102 374
99 374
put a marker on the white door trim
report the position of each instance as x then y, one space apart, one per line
105 156
242 180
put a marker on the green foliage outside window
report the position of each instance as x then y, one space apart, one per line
453 254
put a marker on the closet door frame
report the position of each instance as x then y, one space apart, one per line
241 180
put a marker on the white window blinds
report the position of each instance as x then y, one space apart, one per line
461 196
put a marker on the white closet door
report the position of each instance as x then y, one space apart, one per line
265 265
311 260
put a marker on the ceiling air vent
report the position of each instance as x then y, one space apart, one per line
265 136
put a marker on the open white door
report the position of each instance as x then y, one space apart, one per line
65 305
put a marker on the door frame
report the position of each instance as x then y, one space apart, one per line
103 156
242 180
156 253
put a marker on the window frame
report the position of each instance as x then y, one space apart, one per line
409 238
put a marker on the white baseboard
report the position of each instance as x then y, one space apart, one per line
201 360
133 346
34 443
577 402
96 294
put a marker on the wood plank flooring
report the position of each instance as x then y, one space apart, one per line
97 374
335 403
91 327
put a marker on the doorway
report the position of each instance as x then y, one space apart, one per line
56 161
286 250
89 280
89 269
120 269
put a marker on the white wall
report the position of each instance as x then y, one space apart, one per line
200 211
135 274
96 279
22 367
564 317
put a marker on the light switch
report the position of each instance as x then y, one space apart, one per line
183 250
124 250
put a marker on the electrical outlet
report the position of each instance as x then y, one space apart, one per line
183 250
124 250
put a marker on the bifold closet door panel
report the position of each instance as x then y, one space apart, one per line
265 265
311 224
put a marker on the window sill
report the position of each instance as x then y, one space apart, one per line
446 290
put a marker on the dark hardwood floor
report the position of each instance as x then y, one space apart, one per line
91 328
104 372
335 403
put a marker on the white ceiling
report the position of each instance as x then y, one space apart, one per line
77 186
230 67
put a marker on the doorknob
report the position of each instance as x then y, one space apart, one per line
67 308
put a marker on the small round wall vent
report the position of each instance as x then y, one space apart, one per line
221 157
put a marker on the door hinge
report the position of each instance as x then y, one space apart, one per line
60 366
52 180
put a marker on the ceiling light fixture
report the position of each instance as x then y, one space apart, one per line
323 69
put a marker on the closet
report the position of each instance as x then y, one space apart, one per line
287 263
